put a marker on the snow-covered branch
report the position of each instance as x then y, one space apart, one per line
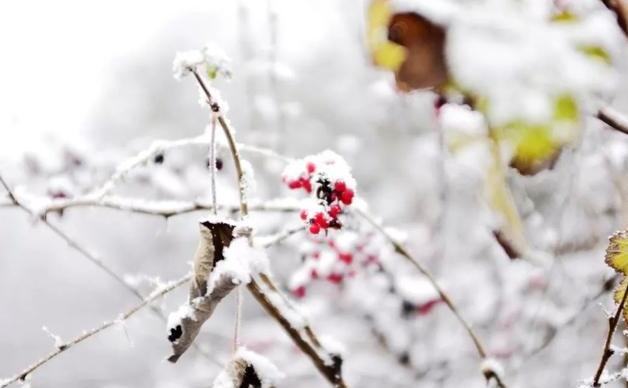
156 294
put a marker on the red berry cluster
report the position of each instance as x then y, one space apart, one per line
327 179
334 261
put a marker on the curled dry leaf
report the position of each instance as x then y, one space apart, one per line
408 44
185 324
424 65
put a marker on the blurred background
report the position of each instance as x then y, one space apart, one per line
85 85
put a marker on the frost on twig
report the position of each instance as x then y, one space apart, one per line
248 369
222 262
211 58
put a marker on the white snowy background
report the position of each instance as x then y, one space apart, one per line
85 85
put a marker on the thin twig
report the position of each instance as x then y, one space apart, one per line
399 248
620 11
212 165
85 335
163 208
72 243
608 352
613 119
264 242
119 278
304 338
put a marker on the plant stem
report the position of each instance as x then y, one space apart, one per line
608 352
399 248
304 337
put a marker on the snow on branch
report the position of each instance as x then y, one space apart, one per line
327 361
62 347
248 369
267 293
165 208
223 260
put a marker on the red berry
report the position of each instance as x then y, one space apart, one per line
316 255
311 167
340 186
303 215
299 292
346 258
314 228
427 307
314 274
335 278
320 220
294 184
307 185
334 210
347 197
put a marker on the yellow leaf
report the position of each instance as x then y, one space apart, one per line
618 295
386 54
617 252
564 17
596 52
566 109
534 146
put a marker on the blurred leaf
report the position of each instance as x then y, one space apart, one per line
566 109
534 147
212 71
537 146
596 52
408 44
425 65
564 17
385 54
